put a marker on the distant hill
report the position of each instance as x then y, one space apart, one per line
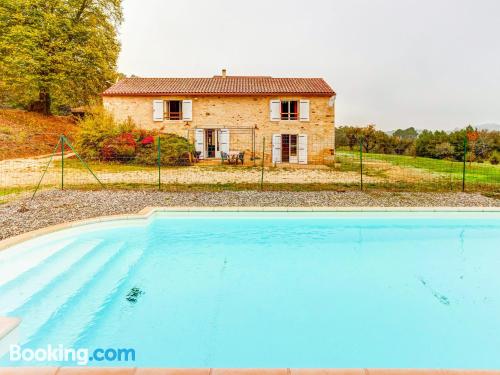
491 126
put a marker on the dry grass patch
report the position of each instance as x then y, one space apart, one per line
26 134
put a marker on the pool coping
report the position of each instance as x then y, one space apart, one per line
7 325
147 212
228 371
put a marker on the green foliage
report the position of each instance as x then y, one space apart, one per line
101 138
431 144
175 151
495 158
59 52
372 140
409 133
95 129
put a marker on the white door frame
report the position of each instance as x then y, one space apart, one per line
292 159
215 135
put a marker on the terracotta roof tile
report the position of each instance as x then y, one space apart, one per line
217 85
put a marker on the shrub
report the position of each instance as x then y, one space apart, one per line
121 148
495 159
175 150
101 137
96 129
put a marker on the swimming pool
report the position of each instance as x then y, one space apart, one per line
266 289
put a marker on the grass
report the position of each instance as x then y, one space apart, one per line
115 167
483 173
173 187
490 190
27 134
97 166
7 194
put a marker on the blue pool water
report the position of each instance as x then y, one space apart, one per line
266 290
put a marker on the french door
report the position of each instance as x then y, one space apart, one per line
289 148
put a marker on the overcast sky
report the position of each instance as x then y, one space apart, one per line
394 63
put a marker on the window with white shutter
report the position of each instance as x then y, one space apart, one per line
276 148
302 148
275 110
157 110
304 110
187 110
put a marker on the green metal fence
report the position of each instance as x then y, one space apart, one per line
161 168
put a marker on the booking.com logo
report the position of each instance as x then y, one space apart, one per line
80 356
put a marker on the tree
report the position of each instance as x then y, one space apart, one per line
58 52
409 133
369 139
352 134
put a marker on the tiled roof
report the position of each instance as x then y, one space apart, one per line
218 85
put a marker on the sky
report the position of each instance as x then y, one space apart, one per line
431 64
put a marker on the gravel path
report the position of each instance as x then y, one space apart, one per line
53 207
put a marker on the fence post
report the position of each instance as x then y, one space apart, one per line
81 160
463 167
46 167
262 163
254 151
62 162
361 161
159 162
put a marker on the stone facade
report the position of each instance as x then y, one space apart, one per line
247 118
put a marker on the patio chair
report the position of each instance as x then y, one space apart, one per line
224 156
197 155
241 157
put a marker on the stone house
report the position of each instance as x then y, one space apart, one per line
294 117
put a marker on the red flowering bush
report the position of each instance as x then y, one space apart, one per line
120 148
101 137
149 140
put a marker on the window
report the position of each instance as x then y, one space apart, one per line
173 110
289 110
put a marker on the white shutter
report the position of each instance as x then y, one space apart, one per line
199 135
276 148
187 110
224 140
302 148
157 110
275 110
304 110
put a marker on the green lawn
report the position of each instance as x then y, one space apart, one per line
474 172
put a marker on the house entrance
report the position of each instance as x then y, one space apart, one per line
211 143
289 148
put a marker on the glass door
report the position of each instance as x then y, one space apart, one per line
289 148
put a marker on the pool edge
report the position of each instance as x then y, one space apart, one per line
147 212
228 371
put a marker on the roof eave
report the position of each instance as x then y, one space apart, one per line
327 94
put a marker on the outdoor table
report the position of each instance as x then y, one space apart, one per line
233 156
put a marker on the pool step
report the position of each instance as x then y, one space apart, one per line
14 262
116 305
77 314
16 292
44 304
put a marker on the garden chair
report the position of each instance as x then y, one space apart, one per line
241 157
223 157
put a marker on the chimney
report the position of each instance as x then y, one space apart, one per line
224 72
